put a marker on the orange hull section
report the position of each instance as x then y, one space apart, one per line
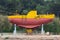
30 23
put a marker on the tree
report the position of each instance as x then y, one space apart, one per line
53 27
4 24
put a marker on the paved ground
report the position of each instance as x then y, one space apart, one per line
29 37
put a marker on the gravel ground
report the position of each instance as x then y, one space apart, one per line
29 37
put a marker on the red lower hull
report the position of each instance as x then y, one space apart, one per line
30 23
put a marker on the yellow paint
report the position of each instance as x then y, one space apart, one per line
29 30
33 14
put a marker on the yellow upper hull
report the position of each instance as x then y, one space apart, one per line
33 14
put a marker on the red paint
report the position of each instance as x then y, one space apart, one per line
30 23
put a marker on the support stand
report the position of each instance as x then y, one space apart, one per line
42 30
14 32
